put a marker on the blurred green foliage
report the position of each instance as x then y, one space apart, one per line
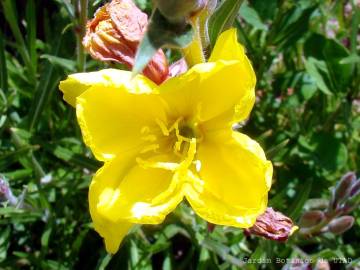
307 117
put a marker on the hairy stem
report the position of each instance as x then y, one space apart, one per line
194 53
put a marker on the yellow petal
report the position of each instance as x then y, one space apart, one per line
236 178
112 233
78 83
125 191
211 89
114 119
227 47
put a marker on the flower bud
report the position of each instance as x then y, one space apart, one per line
311 218
355 188
322 265
114 34
343 188
6 193
176 11
354 198
273 225
341 224
210 227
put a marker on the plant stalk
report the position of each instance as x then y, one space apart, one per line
194 53
81 30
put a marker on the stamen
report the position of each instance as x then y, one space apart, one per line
171 166
145 130
149 138
148 148
163 128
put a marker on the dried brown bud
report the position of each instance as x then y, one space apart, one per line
273 225
341 224
114 34
311 218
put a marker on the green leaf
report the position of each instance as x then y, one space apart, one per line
161 33
104 261
10 16
272 152
45 238
31 31
221 250
312 67
290 26
77 159
68 7
4 242
308 87
303 192
251 17
330 152
351 59
3 67
69 65
47 84
223 18
266 9
331 54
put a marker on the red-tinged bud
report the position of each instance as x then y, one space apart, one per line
210 227
273 225
115 33
311 218
354 200
341 224
342 189
355 189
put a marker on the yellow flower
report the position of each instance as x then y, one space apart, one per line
160 144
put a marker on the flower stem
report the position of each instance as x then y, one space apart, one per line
194 53
83 13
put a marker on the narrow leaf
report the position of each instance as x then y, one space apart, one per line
3 67
10 16
223 18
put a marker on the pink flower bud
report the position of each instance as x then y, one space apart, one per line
341 224
6 193
273 225
343 189
114 34
311 218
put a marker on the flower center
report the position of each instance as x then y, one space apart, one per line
187 131
181 138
